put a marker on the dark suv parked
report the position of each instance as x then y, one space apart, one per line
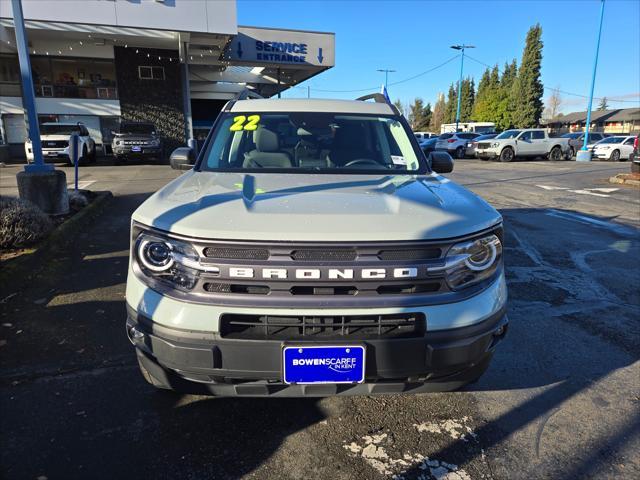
136 140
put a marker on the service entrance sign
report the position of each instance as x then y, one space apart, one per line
261 46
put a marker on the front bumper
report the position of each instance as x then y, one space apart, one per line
179 345
486 154
211 365
144 152
49 153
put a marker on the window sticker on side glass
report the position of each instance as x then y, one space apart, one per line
242 122
398 160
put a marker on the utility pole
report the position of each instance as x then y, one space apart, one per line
460 47
584 155
386 72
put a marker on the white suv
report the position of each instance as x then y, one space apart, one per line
313 250
54 138
455 143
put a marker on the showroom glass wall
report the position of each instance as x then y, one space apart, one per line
61 77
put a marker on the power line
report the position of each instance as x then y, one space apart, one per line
557 89
393 83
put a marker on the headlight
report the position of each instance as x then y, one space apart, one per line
155 142
167 260
473 261
495 145
117 142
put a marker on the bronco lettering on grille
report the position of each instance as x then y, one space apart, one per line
330 274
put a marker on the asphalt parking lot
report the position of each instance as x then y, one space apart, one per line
560 400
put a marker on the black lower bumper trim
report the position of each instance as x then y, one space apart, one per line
197 362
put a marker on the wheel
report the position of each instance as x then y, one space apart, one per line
555 154
572 153
92 158
460 152
615 156
506 155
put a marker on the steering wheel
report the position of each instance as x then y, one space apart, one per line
362 161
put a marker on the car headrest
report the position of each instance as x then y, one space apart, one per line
266 140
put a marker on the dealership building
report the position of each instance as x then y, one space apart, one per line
171 62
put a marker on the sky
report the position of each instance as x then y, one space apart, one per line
414 36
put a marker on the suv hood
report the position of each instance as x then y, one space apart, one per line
321 207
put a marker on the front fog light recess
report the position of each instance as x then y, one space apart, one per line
473 261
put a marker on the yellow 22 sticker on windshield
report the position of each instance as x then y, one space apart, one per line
245 123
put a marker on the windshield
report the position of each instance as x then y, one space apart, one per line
612 140
321 142
57 129
138 128
571 135
508 134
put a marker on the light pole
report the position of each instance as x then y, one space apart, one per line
39 183
386 72
584 155
28 95
460 47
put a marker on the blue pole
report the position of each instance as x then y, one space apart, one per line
593 81
459 89
28 95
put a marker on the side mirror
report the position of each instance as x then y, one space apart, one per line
441 162
182 158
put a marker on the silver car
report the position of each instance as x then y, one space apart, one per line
455 143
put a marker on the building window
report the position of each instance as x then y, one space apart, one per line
150 73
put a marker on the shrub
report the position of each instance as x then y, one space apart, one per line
21 223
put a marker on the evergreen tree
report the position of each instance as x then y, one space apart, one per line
468 96
426 115
506 105
399 106
480 106
527 89
452 105
437 117
420 115
603 105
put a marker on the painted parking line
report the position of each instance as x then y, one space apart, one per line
596 192
576 217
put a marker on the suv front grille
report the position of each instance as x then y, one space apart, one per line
483 145
276 327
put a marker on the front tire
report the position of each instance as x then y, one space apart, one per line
615 156
459 152
555 154
507 154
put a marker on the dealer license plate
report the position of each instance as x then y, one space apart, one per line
323 364
136 149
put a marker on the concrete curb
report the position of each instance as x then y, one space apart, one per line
626 179
13 271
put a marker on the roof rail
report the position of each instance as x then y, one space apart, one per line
379 98
247 93
244 94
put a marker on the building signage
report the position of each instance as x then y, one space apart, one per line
261 45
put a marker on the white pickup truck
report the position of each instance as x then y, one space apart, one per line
530 142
